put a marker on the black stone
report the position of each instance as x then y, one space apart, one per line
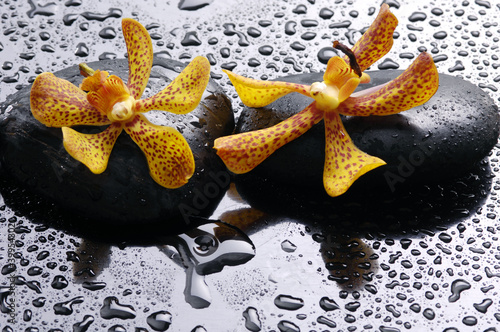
33 156
440 140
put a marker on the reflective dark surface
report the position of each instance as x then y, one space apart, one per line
425 261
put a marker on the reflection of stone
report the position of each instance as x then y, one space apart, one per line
350 261
207 249
33 155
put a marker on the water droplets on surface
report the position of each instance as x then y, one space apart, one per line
252 320
112 308
457 287
288 246
160 320
288 302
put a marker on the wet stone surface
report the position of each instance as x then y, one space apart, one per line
125 194
437 141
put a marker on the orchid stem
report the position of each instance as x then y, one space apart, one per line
85 70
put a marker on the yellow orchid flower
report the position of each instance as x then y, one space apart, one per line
344 162
104 99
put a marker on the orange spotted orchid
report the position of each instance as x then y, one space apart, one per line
104 99
344 162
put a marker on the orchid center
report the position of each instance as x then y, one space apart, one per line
123 110
326 95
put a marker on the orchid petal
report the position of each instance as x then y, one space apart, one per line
184 93
348 88
413 87
170 160
243 152
94 82
93 150
140 55
256 93
344 162
338 72
58 103
377 40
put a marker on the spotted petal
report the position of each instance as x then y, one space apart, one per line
256 93
170 160
243 152
377 40
140 55
413 87
58 103
93 150
184 93
344 162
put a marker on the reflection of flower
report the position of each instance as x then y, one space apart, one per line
58 103
344 162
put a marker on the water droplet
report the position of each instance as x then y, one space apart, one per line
469 320
325 13
288 246
429 314
107 33
308 23
35 270
266 50
457 67
328 304
84 325
340 25
300 9
81 50
111 308
48 9
39 302
191 39
265 23
8 268
415 307
160 321
117 328
326 321
113 12
371 288
457 287
388 64
286 326
288 302
298 46
308 35
68 19
440 35
252 320
59 282
253 62
4 303
253 32
483 306
437 11
417 16
353 306
290 28
193 4
66 308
